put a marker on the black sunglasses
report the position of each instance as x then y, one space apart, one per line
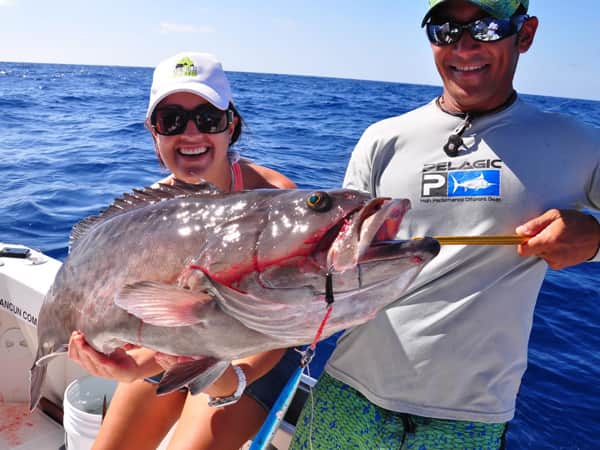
486 29
172 119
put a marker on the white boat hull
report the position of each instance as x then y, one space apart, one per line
23 284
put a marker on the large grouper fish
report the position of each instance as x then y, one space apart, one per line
190 271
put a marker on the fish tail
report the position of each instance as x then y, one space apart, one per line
37 374
454 184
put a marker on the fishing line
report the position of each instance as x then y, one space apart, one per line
329 299
310 351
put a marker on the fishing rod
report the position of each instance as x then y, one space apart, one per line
507 239
267 431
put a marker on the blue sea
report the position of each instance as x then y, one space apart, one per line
72 138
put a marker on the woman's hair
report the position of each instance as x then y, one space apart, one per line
237 132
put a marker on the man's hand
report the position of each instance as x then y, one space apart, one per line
126 365
562 238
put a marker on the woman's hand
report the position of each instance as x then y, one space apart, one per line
124 364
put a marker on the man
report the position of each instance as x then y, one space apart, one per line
441 367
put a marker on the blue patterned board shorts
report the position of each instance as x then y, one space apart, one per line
339 417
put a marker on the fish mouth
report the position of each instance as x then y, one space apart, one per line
368 234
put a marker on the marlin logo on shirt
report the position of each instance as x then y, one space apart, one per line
474 184
450 183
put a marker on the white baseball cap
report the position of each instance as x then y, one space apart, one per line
197 73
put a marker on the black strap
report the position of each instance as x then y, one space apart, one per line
503 438
409 426
329 288
455 141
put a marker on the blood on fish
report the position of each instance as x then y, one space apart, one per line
236 272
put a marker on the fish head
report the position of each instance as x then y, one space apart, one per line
293 239
278 229
357 245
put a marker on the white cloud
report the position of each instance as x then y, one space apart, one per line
167 27
7 2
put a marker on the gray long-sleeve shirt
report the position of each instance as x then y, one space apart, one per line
455 345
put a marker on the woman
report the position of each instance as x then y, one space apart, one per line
193 124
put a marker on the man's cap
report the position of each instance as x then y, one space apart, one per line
500 9
196 73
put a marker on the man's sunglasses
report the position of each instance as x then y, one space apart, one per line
486 29
172 119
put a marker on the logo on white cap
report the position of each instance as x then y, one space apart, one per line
185 67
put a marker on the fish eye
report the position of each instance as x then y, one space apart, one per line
319 201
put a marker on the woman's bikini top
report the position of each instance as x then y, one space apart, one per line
237 180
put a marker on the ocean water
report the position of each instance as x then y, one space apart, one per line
72 138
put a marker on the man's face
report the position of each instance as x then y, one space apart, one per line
477 76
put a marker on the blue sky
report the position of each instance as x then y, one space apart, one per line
374 40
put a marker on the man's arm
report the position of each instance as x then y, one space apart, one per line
566 237
358 172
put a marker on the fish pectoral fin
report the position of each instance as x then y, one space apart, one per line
197 375
163 304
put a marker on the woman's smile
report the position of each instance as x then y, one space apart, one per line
196 151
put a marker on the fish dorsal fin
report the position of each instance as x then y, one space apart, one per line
138 198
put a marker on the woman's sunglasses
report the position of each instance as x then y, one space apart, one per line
486 29
172 119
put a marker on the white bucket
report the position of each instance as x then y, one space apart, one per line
82 406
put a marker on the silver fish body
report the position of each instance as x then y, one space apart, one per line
191 271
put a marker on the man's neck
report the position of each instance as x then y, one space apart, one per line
457 109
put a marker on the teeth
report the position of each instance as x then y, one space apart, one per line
193 151
469 68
